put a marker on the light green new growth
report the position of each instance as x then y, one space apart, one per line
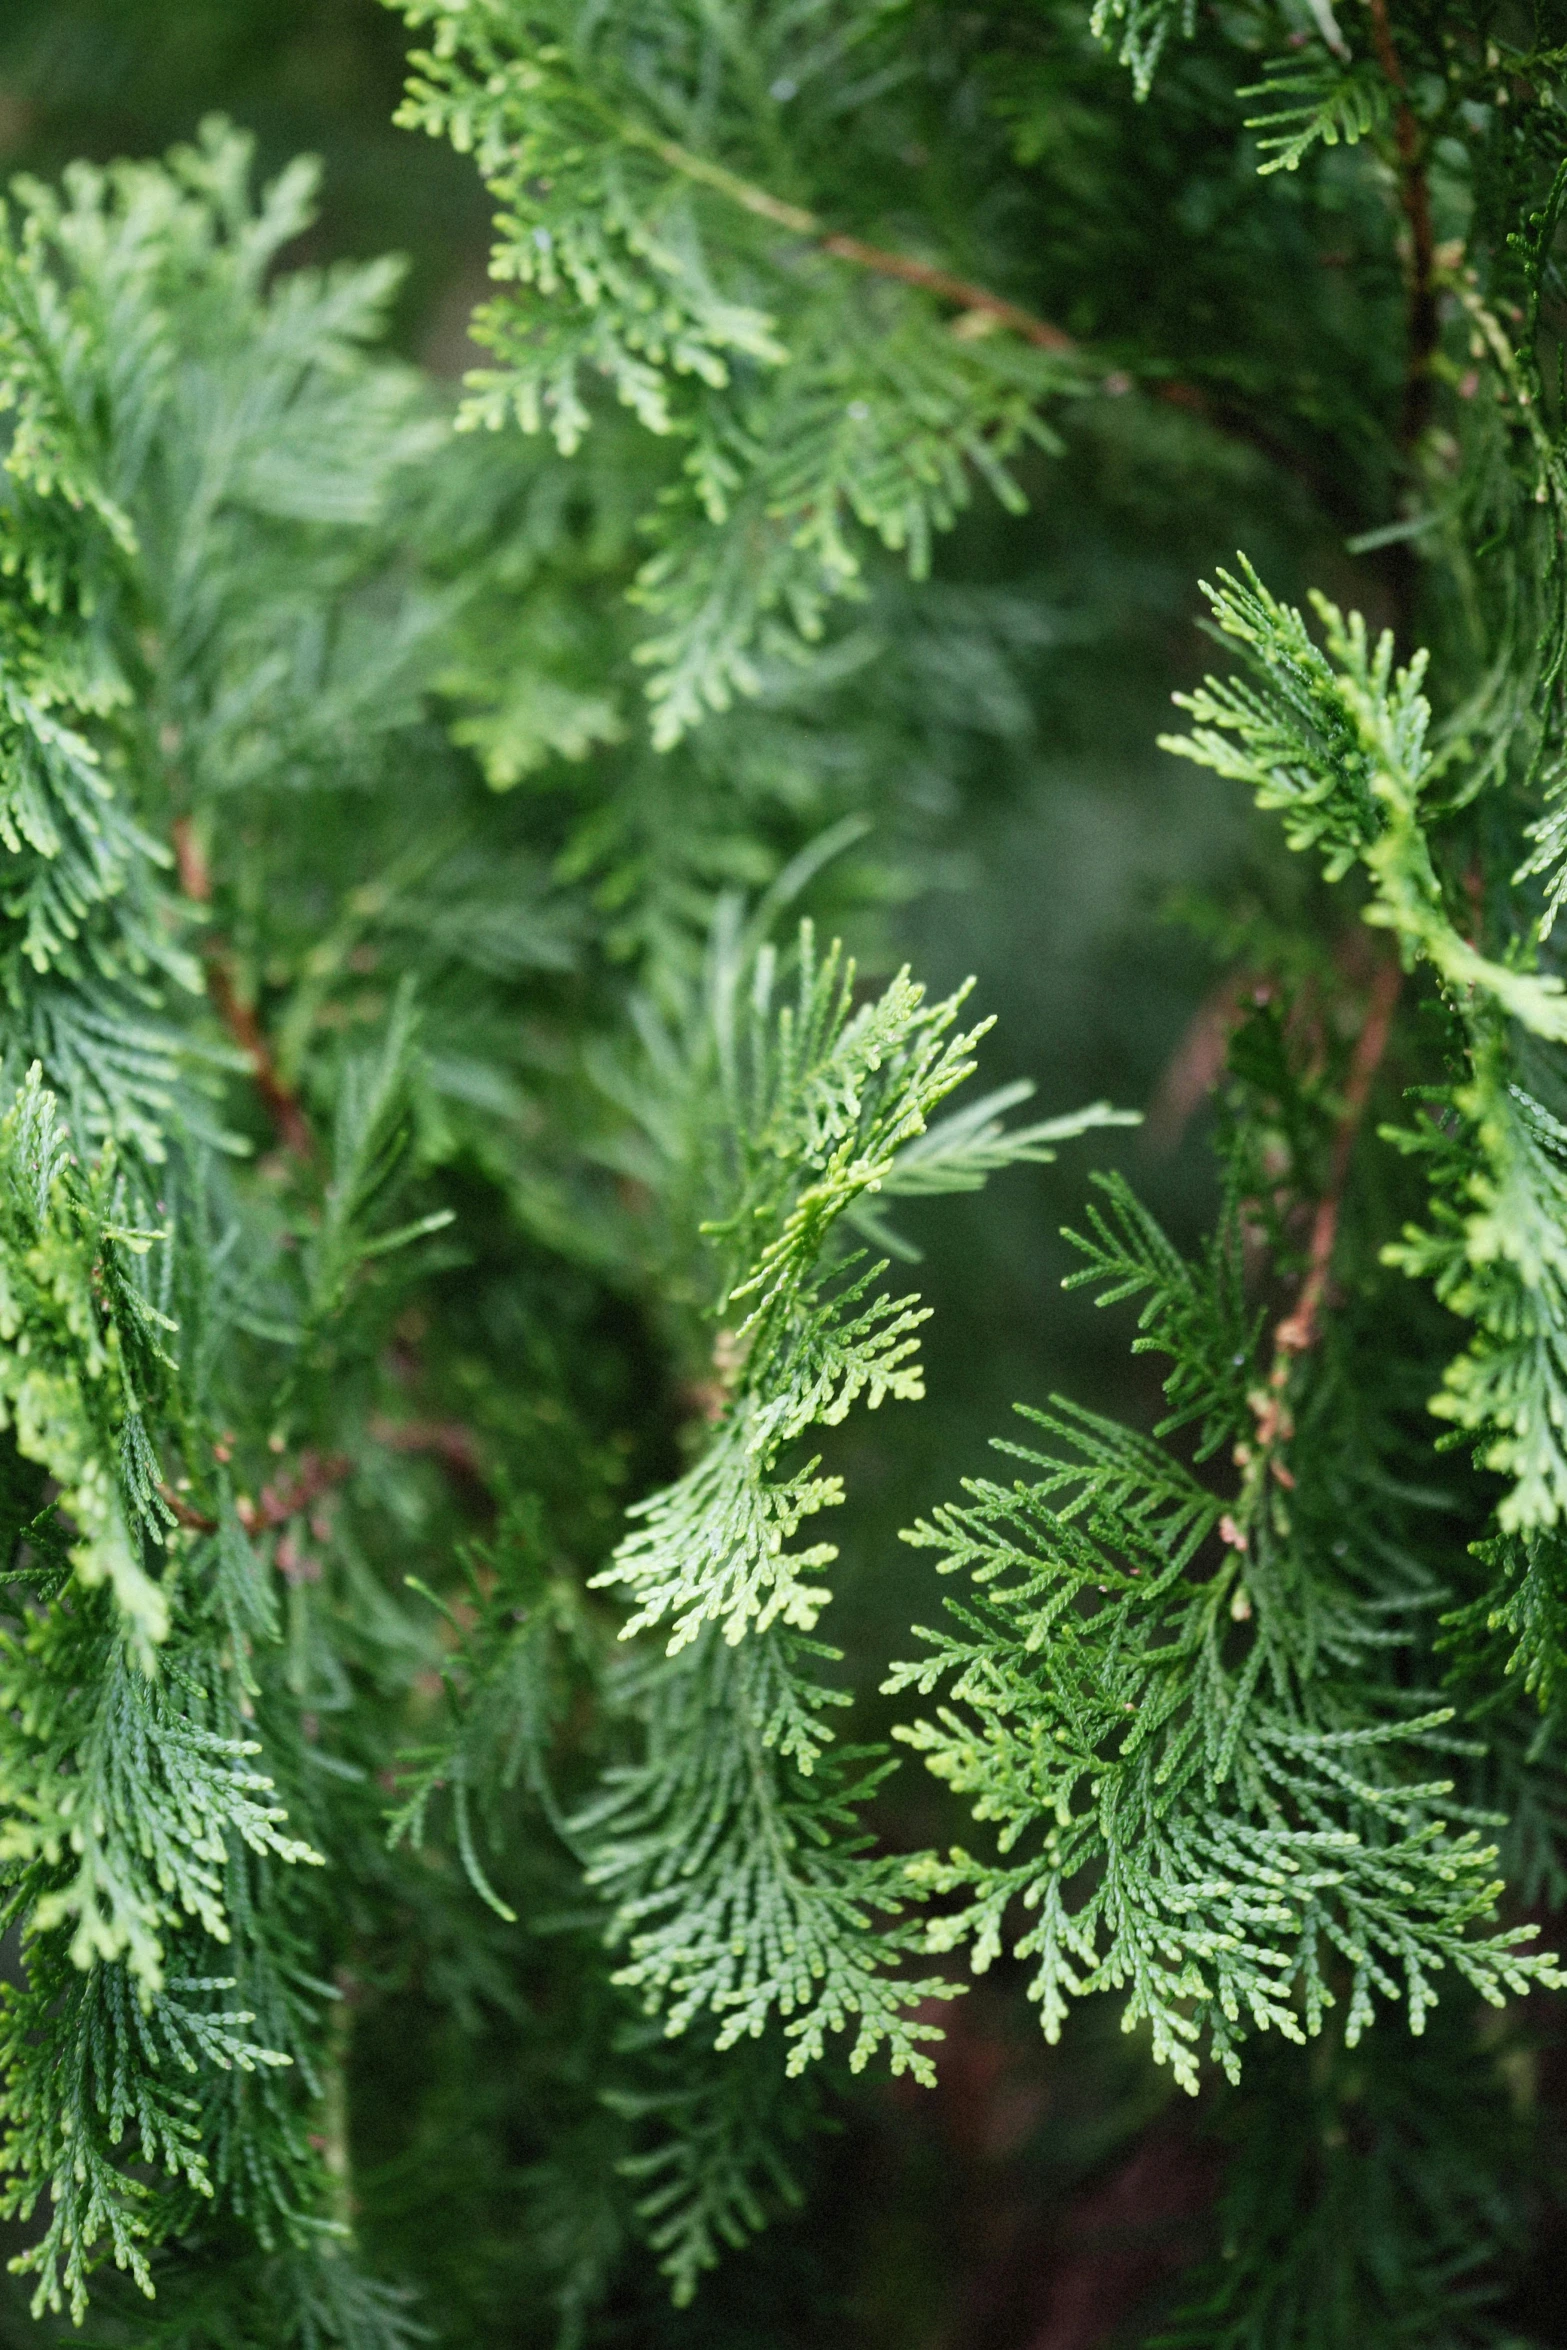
1189 1711
1145 27
1337 744
731 1848
820 1107
1322 103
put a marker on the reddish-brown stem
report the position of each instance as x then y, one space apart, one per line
289 1497
1196 1065
448 1441
1299 1330
280 1501
282 1104
1414 195
197 1521
977 301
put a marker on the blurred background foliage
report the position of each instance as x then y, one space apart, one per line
1037 2196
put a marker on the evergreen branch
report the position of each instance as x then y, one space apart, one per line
282 1105
976 301
111 2071
1494 1252
1234 1791
720 2166
731 1848
1326 104
1297 1333
238 555
823 1099
1414 195
1197 1315
1336 743
739 1876
834 409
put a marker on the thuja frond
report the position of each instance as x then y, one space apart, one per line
310 2296
134 1805
722 2165
963 1150
529 1644
1316 101
878 422
1496 1253
1197 1315
1334 741
1521 1620
1337 743
175 623
125 1798
730 1848
1139 30
808 1109
179 430
100 2083
1548 851
1186 1708
813 380
739 1875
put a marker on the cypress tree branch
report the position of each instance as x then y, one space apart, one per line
977 300
277 1503
979 303
1414 195
282 1104
1297 1333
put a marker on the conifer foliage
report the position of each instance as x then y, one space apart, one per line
450 1173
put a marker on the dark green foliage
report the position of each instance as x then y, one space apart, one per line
451 1178
1378 2190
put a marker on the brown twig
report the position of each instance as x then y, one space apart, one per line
975 301
282 1104
1299 1330
1414 195
978 304
1197 1063
318 1473
280 1501
978 301
196 1521
453 1445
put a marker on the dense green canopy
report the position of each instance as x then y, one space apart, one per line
585 885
